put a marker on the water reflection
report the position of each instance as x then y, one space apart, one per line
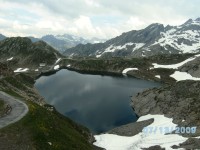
97 102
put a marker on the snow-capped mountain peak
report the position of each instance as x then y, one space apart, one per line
192 22
65 41
184 38
71 38
154 39
198 19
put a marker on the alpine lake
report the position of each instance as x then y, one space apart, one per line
99 102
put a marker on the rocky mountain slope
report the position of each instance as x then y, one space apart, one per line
43 127
62 42
2 37
175 101
22 52
177 95
154 39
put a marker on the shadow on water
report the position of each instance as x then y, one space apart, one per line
99 102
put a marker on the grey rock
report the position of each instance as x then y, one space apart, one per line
131 129
179 101
191 143
157 147
26 53
150 37
192 67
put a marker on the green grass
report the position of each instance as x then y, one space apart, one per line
15 83
1 106
42 126
1 103
13 93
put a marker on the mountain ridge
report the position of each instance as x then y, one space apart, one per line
65 41
62 42
152 40
24 52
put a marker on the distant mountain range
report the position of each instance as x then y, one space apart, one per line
65 41
2 37
62 42
154 39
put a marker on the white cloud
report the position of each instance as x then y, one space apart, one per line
84 17
92 3
85 27
84 23
135 23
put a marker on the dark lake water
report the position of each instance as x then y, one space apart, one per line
97 102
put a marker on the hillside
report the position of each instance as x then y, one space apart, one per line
20 52
177 99
43 127
160 68
61 42
154 39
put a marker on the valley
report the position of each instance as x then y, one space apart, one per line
129 58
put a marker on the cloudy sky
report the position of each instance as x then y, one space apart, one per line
90 18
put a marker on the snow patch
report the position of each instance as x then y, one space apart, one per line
56 67
97 56
113 48
147 49
138 46
69 65
157 76
142 140
9 59
175 66
21 70
171 37
128 69
179 76
36 70
58 60
72 55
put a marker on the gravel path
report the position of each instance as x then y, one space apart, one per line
19 110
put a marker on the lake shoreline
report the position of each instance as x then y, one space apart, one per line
108 76
140 75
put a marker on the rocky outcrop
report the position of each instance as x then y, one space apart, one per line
21 85
130 129
180 101
4 70
192 67
157 147
25 53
